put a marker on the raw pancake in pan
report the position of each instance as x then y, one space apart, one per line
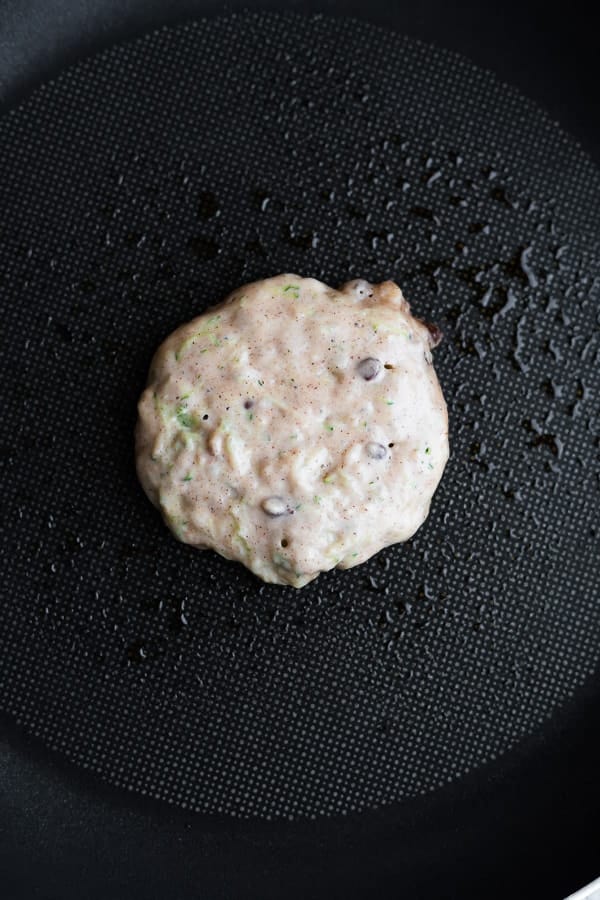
295 427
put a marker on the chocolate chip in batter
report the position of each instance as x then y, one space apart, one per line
274 506
376 451
248 404
369 368
435 334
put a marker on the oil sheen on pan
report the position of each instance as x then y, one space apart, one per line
295 427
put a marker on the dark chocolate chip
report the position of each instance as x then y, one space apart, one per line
376 451
369 368
435 333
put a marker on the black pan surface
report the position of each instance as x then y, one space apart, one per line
439 689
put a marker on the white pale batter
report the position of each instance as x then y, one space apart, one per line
295 427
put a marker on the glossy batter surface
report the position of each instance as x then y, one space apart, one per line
295 427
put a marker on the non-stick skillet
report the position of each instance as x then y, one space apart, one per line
426 725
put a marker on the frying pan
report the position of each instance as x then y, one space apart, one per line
510 816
